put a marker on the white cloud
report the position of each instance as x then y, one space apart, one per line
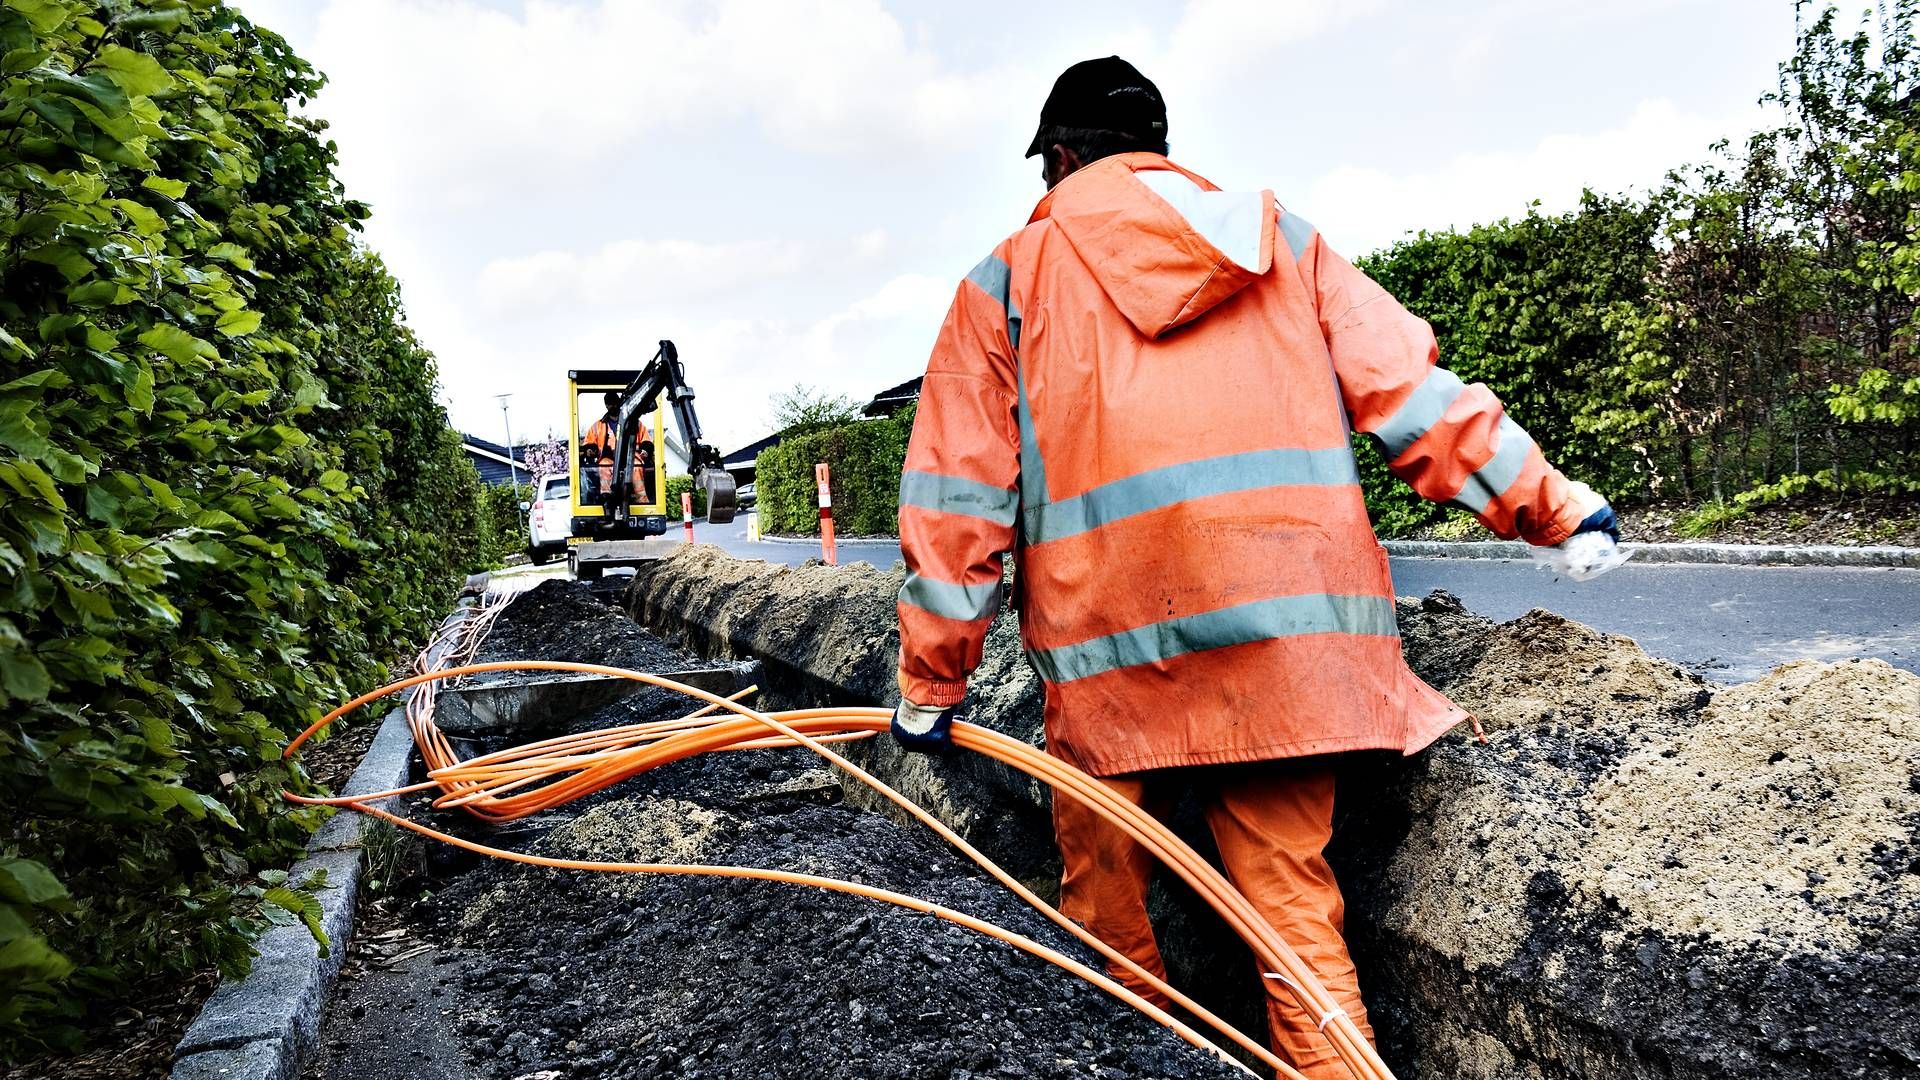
450 100
626 269
789 190
626 272
734 363
1217 39
1360 209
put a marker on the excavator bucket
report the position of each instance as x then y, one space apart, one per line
717 486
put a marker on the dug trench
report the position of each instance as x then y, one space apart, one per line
483 968
1640 874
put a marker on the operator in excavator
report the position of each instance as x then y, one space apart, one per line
598 446
1147 394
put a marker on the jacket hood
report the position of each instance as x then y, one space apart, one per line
1165 244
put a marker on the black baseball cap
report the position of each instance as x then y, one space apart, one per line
1107 94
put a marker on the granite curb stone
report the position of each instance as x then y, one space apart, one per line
1708 554
261 1026
267 1059
258 1027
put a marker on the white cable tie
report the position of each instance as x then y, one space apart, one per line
1326 1017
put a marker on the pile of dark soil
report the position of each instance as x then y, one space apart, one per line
638 976
577 622
579 974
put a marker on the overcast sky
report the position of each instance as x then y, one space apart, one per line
790 189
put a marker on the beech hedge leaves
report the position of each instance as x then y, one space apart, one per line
226 491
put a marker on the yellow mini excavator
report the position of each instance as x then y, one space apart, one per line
618 497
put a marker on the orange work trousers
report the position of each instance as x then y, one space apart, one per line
642 482
1272 821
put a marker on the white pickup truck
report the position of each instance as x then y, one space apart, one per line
549 520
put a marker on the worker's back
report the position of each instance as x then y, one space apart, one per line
1193 537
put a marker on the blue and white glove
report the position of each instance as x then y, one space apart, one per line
923 729
1594 547
1600 516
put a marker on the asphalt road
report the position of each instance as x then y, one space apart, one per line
1731 623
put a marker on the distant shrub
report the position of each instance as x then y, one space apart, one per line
864 459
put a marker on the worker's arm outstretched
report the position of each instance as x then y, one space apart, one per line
959 496
1451 442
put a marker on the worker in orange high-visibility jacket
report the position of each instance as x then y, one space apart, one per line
1147 394
599 446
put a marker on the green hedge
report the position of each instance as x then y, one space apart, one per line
865 459
1743 335
678 484
226 491
1524 306
505 531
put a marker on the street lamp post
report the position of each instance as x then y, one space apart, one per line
513 467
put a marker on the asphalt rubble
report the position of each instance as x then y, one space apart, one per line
1641 874
545 974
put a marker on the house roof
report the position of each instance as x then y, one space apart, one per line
744 457
485 448
894 398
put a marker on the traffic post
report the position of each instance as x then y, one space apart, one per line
686 513
821 478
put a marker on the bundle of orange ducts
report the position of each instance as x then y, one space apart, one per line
539 776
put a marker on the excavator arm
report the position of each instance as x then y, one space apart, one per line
665 375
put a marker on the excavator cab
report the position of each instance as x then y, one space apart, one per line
591 453
618 460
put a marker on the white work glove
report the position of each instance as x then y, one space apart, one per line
1594 547
923 728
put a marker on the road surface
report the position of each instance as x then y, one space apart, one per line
1730 623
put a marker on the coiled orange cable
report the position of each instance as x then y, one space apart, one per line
525 780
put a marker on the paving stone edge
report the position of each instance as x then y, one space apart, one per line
1710 554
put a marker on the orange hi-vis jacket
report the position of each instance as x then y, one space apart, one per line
600 437
1147 393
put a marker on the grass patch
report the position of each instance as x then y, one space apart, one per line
1709 519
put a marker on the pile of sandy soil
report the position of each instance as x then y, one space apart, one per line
1561 703
1641 852
1786 813
1781 808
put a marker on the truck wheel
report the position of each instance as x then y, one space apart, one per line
539 556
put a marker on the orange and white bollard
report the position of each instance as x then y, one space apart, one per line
820 478
686 513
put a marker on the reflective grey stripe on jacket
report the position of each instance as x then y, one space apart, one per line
966 603
1261 620
958 495
1171 484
